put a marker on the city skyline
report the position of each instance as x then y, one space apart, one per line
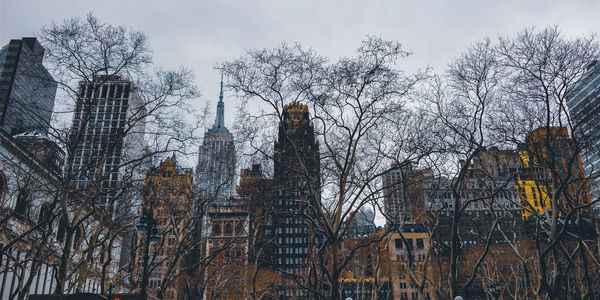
202 35
335 165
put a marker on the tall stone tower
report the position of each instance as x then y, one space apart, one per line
215 172
297 188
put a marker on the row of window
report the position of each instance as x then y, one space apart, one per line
105 91
228 229
292 260
293 240
297 250
399 243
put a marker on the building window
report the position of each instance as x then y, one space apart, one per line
22 202
398 243
409 242
420 244
228 229
239 228
77 238
44 213
216 229
2 183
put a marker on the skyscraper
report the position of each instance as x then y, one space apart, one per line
584 107
108 129
215 172
297 188
168 192
396 193
402 193
551 163
27 90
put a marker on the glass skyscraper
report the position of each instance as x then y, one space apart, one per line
27 89
584 107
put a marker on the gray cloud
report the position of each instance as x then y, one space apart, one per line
200 34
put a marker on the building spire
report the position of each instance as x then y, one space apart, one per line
220 120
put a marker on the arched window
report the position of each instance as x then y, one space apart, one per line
44 213
216 229
239 227
62 229
22 201
228 229
77 238
2 183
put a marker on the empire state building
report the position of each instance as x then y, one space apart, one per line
215 172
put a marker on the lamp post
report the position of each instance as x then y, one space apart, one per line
147 226
495 291
110 286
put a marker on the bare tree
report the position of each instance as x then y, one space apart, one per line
512 94
361 123
85 54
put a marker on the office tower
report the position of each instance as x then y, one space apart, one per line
27 90
551 163
215 172
395 194
583 102
168 192
108 129
297 188
259 191
403 193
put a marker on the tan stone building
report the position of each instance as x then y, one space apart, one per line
168 193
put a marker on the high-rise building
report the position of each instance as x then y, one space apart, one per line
108 129
259 191
402 189
215 172
227 242
584 107
551 167
169 194
297 189
27 90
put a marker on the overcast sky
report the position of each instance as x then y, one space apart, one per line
200 34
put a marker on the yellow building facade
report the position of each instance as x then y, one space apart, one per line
168 192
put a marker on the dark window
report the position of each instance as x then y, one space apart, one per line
77 238
228 229
2 183
420 244
398 243
119 90
216 230
126 93
239 228
111 92
104 91
44 213
89 92
60 235
81 90
409 242
22 202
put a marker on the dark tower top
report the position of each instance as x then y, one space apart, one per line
296 151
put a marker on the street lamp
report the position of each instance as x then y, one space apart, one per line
110 286
495 290
147 226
